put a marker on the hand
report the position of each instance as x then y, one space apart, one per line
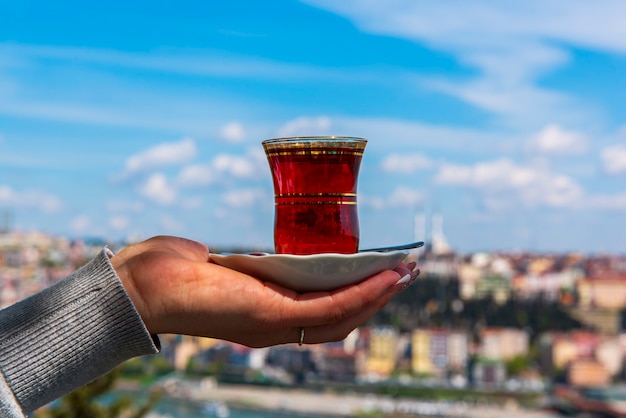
177 290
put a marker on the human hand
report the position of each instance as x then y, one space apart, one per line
177 290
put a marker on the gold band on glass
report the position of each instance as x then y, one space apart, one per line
316 202
315 199
314 144
314 152
282 195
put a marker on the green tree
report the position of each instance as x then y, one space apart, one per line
517 365
86 402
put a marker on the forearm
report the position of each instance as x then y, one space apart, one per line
69 334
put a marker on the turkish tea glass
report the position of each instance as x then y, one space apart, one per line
315 193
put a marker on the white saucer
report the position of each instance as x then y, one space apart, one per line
305 273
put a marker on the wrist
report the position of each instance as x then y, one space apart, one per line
121 267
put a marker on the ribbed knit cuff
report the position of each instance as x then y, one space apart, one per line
8 404
70 334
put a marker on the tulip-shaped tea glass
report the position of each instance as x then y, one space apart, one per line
315 182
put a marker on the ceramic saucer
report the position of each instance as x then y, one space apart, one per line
317 272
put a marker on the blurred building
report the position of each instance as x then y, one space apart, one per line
586 357
502 343
606 291
338 365
587 372
381 355
488 374
437 351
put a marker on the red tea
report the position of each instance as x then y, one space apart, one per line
315 181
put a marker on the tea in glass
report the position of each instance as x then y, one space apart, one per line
315 193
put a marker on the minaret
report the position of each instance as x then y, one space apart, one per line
6 222
439 242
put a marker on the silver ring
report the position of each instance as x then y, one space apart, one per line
301 336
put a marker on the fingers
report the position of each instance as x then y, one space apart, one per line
348 301
356 310
334 332
320 308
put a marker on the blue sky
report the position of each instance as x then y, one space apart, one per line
131 119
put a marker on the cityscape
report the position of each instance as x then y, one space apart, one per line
120 121
415 345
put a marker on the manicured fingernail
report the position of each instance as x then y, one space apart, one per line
403 280
411 265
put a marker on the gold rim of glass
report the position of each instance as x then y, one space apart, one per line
317 202
353 142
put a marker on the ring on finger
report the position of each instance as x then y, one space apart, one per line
301 341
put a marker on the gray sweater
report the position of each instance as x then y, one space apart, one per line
66 336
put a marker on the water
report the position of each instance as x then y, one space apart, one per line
180 408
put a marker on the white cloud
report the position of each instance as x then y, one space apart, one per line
192 202
240 167
306 126
555 140
511 44
172 224
488 24
405 196
63 111
125 102
233 132
614 159
80 223
406 163
119 222
6 193
196 175
611 202
504 183
505 83
158 189
225 167
162 155
29 199
386 134
125 206
245 197
375 202
208 62
139 101
401 196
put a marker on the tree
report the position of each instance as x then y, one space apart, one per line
517 365
86 402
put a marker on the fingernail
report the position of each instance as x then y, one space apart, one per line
403 280
411 265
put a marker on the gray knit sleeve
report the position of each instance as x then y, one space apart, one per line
68 335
